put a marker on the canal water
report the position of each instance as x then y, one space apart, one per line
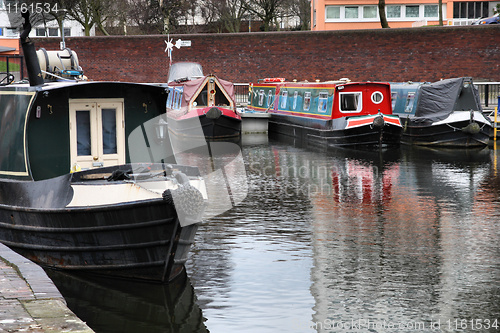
402 240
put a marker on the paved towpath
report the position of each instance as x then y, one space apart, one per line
29 301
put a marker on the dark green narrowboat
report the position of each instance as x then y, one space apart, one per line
85 179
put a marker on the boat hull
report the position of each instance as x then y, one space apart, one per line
452 135
216 123
137 240
336 132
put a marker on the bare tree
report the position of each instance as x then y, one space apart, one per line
229 13
301 9
266 10
381 12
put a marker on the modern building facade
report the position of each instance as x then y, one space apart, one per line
363 14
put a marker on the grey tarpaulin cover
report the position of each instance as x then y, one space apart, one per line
437 100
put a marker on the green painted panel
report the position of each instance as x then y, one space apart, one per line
13 110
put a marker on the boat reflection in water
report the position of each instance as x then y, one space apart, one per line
111 305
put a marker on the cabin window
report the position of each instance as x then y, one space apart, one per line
178 100
322 102
261 97
295 97
284 96
394 98
109 131
307 101
410 99
269 97
83 133
350 102
169 98
377 97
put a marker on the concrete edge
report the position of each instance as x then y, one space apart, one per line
48 308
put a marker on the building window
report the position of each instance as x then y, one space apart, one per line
332 12
53 32
393 11
431 11
67 32
40 32
412 11
11 32
471 9
370 12
351 12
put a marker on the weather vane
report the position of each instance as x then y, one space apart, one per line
178 44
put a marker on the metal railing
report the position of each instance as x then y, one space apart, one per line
241 94
488 94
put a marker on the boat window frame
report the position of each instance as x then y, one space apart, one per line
283 99
394 100
377 93
306 105
261 97
295 98
269 98
359 106
410 101
323 101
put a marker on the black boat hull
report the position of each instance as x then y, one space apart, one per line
322 132
222 128
452 135
136 241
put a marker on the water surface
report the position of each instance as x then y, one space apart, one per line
335 241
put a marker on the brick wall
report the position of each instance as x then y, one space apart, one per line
416 54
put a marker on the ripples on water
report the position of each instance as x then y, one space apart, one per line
347 241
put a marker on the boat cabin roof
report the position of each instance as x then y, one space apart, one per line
184 71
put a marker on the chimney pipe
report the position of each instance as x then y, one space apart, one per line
30 57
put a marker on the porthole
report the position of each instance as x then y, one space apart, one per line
377 97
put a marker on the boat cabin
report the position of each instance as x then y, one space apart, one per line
56 127
322 100
434 99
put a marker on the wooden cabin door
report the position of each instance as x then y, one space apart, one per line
97 134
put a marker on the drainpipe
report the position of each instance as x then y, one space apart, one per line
30 57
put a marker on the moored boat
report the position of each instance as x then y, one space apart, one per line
74 195
445 113
207 98
336 113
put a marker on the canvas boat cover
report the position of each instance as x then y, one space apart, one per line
439 99
184 71
194 86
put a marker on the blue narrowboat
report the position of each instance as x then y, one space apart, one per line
446 113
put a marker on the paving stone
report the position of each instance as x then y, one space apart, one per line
30 302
